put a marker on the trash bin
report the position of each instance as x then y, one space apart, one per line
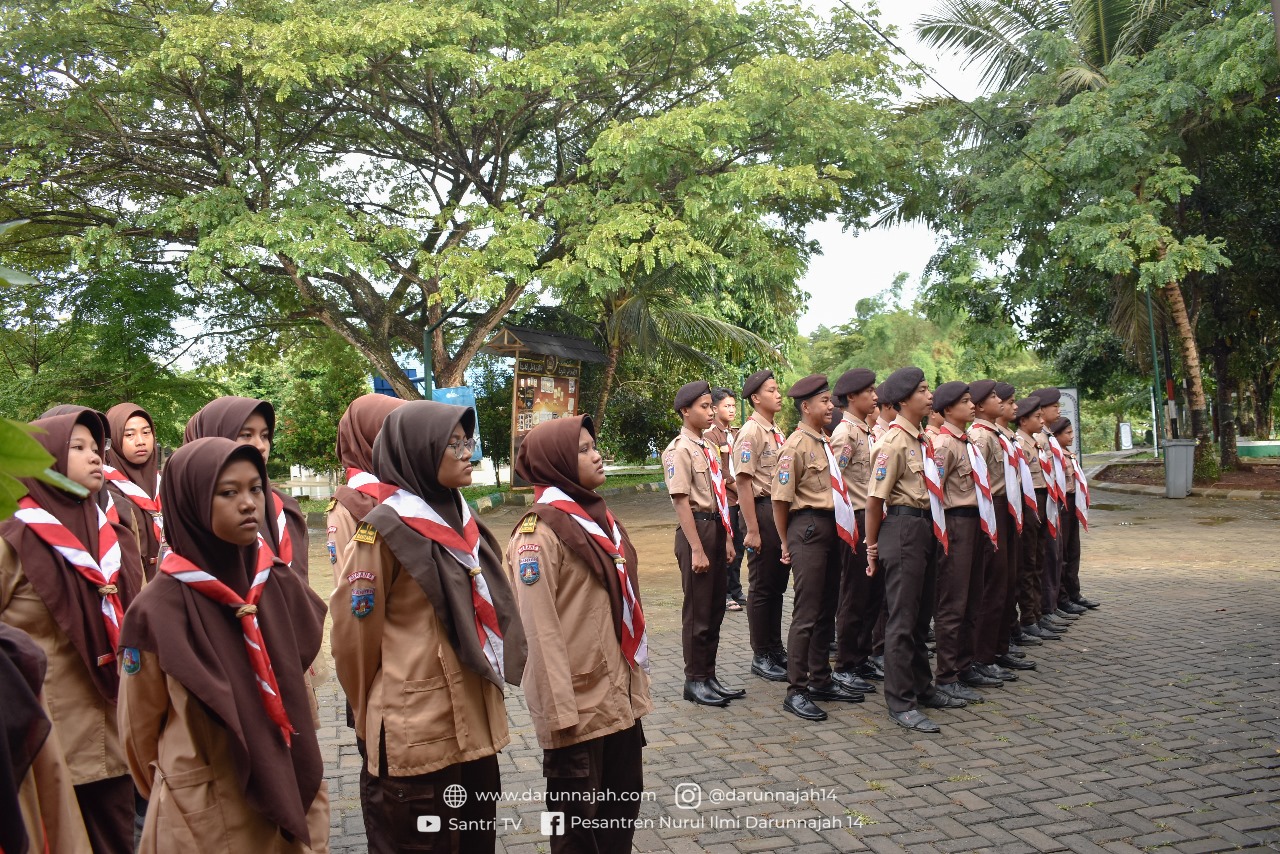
1179 466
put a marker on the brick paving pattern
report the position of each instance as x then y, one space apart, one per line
1152 726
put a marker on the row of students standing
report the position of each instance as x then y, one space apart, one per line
884 530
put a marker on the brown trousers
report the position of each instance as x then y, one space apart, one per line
392 806
991 636
1029 564
815 561
610 765
959 595
1050 560
767 578
704 595
861 601
107 809
908 559
1069 589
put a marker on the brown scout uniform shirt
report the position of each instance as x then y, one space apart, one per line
341 528
400 672
47 801
803 478
1031 449
721 440
577 682
84 720
987 443
899 467
879 429
180 760
756 453
688 471
958 488
851 445
1068 456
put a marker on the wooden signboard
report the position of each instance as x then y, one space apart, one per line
546 387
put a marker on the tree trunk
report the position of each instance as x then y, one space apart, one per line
1191 362
1264 389
610 371
1116 435
1226 413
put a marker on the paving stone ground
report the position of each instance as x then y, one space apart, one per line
1153 726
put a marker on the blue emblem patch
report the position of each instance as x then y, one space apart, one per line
530 571
131 660
784 477
362 601
941 473
843 462
882 473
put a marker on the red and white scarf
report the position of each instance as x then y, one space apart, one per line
982 483
717 486
139 497
1054 498
1028 485
282 532
181 569
362 481
846 521
465 549
932 482
101 571
1082 494
1012 486
635 637
778 439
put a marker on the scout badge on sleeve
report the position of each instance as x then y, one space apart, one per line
784 470
362 596
130 660
530 568
882 465
746 450
669 460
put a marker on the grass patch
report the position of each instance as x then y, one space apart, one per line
877 785
963 778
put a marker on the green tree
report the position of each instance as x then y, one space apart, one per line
492 379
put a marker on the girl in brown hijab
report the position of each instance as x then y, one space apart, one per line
357 429
425 633
587 684
214 706
133 477
67 575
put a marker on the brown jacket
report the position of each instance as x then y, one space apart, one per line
401 674
180 762
577 683
48 803
84 721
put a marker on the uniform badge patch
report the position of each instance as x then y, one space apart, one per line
131 660
361 575
881 473
746 450
784 476
362 601
669 460
882 465
530 570
846 454
529 547
530 524
366 533
333 502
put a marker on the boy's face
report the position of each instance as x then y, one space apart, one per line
1067 438
1050 413
1033 422
961 412
817 409
726 410
701 415
768 400
990 408
863 404
918 405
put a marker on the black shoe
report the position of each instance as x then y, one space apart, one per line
1085 603
929 638
1049 627
1028 640
836 692
702 694
801 706
960 691
868 670
995 671
779 658
935 699
878 661
1063 615
914 719
853 683
1045 634
1014 652
978 679
766 668
729 694
1010 663
1073 608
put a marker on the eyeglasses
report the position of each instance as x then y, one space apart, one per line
462 450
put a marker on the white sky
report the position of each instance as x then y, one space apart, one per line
855 266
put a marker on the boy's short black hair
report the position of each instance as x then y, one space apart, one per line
719 393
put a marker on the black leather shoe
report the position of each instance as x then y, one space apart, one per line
779 658
1040 633
1014 652
1048 626
978 679
1085 603
728 693
878 661
961 692
1028 640
1008 662
914 719
995 671
868 670
766 668
702 694
929 638
802 707
853 683
1063 615
935 699
1073 608
834 691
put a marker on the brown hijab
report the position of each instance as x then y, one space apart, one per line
72 600
225 417
76 409
144 476
199 642
357 429
548 456
407 454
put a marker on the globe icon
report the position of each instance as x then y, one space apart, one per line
454 795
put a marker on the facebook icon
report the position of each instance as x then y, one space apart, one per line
553 824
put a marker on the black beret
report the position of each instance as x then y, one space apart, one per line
852 382
752 383
808 387
1006 391
901 384
1048 396
837 415
690 392
880 399
1027 406
948 394
982 389
1060 425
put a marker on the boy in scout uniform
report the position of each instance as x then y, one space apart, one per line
885 414
703 543
1075 508
861 596
755 454
722 435
1029 421
902 530
805 515
1053 466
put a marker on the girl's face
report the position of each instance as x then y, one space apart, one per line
1067 438
256 432
455 473
84 463
590 463
138 441
239 504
